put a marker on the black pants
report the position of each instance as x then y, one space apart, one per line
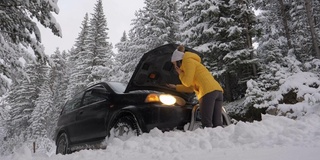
211 108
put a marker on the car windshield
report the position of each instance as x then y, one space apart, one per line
117 86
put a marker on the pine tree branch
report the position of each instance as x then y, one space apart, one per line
10 4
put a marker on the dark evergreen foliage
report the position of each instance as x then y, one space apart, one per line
18 32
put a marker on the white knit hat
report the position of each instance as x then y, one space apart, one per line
177 56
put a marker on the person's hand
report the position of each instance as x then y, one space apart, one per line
178 70
173 86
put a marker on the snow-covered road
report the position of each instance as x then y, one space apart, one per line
275 137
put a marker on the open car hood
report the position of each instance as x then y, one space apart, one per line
155 70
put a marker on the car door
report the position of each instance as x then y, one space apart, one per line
68 117
91 116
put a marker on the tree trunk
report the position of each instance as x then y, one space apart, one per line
227 89
312 28
285 23
249 42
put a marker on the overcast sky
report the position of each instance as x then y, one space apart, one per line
119 14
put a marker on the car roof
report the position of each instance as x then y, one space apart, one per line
117 87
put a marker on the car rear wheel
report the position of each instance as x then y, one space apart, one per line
124 128
62 144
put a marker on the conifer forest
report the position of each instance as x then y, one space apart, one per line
264 53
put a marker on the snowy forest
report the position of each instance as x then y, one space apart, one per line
265 54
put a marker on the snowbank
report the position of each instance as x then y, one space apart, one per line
275 137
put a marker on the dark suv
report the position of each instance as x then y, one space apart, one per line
113 109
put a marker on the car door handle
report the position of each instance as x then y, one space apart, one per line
80 112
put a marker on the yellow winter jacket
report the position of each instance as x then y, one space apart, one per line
196 77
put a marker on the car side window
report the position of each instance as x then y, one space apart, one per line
73 103
77 101
67 106
90 98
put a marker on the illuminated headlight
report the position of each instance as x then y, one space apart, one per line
167 99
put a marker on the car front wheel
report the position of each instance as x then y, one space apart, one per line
124 128
62 144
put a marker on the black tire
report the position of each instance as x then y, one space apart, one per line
62 144
124 128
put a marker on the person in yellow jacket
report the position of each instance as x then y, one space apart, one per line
195 77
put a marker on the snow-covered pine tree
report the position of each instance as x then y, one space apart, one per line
222 30
154 25
124 37
122 74
284 27
316 15
285 42
4 117
78 68
136 46
123 49
21 99
40 117
273 44
240 62
70 70
58 82
198 18
44 116
100 54
12 68
17 21
18 29
277 38
305 15
161 22
314 36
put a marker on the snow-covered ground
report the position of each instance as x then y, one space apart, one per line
273 138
